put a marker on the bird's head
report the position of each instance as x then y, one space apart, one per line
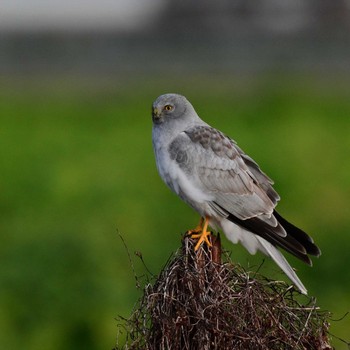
170 107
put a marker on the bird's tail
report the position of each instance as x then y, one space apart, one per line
281 261
252 242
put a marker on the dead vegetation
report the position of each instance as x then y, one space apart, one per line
200 302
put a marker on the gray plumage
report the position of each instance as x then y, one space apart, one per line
216 178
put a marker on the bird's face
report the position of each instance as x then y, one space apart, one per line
168 107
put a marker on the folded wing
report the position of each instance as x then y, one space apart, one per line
242 192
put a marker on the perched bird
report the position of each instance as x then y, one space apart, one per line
224 185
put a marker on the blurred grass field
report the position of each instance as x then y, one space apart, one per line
77 167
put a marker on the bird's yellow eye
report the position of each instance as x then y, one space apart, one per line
168 107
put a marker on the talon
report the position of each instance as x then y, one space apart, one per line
196 230
201 233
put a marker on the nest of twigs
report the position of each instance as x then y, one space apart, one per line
199 302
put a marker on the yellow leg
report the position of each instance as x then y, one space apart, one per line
202 234
197 229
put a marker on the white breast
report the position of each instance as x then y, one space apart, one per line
176 179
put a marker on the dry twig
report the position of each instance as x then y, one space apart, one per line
198 303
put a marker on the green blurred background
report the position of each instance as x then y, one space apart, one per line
77 165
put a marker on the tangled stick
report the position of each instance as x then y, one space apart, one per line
200 302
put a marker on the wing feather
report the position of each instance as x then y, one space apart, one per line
241 192
217 166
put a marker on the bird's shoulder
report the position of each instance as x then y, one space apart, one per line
204 140
214 140
216 156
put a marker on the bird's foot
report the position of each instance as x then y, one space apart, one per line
196 230
201 233
203 237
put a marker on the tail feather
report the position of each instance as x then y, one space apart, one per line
281 261
268 238
299 235
253 243
295 241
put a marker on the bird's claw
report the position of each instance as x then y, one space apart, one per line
201 233
203 237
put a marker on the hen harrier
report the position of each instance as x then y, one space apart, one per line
224 185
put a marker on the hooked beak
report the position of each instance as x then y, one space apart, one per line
156 115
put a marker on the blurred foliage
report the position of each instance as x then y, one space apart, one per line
77 167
